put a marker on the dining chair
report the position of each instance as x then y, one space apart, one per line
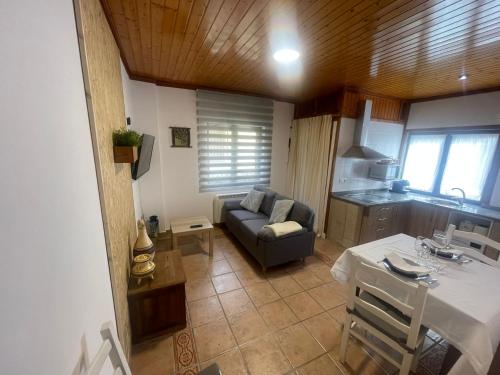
374 311
452 232
111 348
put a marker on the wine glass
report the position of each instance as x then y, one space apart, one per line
420 248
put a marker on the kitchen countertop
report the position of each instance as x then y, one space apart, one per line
368 198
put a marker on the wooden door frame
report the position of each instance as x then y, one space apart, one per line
332 167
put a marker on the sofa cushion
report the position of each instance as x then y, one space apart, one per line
280 211
253 200
379 323
252 227
242 215
266 206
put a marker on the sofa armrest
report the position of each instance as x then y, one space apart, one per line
266 234
232 204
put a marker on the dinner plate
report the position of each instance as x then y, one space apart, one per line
411 275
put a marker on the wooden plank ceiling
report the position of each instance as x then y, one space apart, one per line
406 48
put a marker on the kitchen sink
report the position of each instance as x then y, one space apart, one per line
445 202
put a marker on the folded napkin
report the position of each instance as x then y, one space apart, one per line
401 264
280 229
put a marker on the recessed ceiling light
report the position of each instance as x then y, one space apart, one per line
463 77
286 55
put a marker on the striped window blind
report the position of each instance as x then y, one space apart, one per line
234 140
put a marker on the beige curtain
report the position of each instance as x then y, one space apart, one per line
310 164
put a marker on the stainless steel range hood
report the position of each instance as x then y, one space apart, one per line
359 150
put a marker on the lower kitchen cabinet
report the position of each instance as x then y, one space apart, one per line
383 221
350 224
344 222
424 219
495 236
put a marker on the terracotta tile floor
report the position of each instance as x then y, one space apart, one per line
287 321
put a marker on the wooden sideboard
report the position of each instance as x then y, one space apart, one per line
158 306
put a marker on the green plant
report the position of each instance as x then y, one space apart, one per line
124 137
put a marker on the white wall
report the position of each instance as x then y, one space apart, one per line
55 285
136 190
470 110
352 174
170 188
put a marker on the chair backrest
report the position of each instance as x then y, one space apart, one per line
453 232
406 297
109 348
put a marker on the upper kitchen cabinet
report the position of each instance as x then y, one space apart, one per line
384 108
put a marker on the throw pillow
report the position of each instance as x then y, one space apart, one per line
280 210
253 200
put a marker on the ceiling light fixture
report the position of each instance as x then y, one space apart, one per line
286 55
463 77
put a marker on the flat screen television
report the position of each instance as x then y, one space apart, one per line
142 164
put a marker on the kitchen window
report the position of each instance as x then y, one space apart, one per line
234 141
437 162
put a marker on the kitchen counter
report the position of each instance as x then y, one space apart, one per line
368 198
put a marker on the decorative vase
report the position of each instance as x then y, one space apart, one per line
153 226
143 244
143 267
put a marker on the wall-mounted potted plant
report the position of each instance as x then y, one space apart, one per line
125 144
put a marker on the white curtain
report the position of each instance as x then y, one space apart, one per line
310 164
468 164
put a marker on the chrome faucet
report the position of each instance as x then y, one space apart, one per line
462 199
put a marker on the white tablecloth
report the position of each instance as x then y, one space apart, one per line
463 306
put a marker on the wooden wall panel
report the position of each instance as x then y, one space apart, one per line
383 108
103 86
324 105
400 48
345 103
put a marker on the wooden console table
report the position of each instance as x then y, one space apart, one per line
158 306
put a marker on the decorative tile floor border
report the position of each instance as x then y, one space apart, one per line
186 362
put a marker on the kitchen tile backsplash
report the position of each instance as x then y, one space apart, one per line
352 174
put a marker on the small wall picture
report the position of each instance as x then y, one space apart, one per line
181 137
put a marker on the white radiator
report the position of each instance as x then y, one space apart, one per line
219 202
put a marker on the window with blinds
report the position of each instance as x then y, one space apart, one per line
234 140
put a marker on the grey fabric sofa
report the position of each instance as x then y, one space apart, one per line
268 250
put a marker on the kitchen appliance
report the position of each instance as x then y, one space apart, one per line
383 171
359 150
400 186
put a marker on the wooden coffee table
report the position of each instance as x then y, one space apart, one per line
182 227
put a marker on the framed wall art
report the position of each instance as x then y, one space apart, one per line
181 137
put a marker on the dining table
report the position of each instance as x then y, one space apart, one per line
463 302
